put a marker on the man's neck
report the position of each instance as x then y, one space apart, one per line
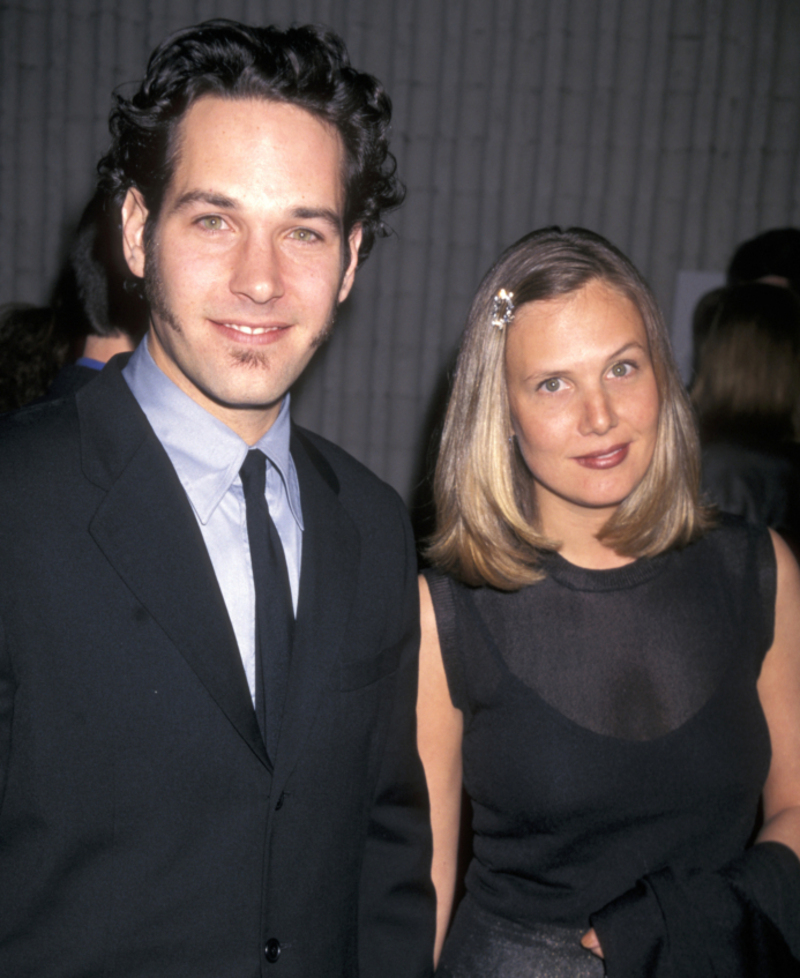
102 348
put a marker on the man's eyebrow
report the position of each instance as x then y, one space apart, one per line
319 213
203 197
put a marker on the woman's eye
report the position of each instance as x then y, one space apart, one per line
621 369
552 385
211 223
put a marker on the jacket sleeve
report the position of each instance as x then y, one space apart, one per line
396 900
741 922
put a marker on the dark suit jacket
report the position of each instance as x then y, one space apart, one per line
69 380
143 831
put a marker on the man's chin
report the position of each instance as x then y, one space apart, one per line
253 358
245 400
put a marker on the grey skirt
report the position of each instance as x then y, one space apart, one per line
480 945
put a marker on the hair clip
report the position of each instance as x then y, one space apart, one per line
502 309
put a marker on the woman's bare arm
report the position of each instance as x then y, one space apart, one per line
779 691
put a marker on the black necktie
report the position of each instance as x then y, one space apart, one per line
274 617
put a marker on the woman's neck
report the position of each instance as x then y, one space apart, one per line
576 532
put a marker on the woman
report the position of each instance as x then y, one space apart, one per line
747 395
604 667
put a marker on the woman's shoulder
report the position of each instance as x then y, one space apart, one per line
738 557
737 540
448 589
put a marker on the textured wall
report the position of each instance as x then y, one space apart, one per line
671 126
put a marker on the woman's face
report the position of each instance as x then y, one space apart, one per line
584 401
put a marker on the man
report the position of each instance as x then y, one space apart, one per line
192 785
772 257
97 314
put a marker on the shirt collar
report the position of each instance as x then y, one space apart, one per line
89 362
206 453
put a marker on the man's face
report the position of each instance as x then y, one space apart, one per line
247 262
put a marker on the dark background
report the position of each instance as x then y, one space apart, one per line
670 126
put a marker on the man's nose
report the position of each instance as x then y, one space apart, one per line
256 272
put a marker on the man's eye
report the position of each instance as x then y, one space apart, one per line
304 234
211 223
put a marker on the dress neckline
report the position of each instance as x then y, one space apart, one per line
608 579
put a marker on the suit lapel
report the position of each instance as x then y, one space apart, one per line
148 532
328 577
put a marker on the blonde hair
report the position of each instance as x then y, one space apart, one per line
487 529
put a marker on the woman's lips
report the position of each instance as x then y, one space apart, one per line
606 459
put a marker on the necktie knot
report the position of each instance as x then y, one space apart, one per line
253 474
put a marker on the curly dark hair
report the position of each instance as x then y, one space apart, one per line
306 66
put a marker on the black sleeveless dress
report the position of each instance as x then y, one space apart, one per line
612 730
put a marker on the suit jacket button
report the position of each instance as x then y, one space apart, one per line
272 950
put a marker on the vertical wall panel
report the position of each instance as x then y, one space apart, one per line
645 239
672 126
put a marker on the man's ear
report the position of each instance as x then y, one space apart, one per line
134 216
353 244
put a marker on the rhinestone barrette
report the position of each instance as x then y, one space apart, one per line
502 309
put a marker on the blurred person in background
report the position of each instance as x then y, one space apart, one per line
772 257
99 306
747 396
31 353
98 309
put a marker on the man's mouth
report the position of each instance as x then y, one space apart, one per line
251 330
259 334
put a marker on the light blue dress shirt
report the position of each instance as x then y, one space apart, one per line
207 455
